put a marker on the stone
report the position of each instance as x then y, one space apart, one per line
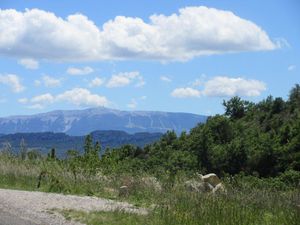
195 186
208 187
219 188
212 179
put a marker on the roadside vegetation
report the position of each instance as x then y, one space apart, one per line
253 148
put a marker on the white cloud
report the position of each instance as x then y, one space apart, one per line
291 67
223 86
80 71
185 93
124 79
29 63
13 81
38 102
75 96
96 82
50 81
82 97
192 32
43 99
165 79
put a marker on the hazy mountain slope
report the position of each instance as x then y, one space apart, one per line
62 142
81 122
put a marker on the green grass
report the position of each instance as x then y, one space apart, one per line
198 209
104 218
249 201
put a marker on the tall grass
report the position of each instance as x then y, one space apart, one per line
247 201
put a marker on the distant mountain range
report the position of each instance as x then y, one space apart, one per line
82 122
63 142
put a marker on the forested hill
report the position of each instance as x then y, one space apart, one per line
63 142
260 139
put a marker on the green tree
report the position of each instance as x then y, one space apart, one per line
23 149
235 108
88 146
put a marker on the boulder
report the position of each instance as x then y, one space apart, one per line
219 188
208 187
195 186
212 179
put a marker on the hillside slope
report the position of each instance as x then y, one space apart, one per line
63 142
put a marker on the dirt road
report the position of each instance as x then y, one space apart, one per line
36 208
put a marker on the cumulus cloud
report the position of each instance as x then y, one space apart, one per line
96 82
50 81
192 32
223 86
13 81
124 79
29 63
185 93
43 99
165 79
82 97
75 96
38 102
80 71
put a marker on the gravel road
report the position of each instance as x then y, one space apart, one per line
34 208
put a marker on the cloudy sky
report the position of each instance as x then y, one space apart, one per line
176 55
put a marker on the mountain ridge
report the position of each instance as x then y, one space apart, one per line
81 122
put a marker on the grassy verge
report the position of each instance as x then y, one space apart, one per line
247 201
104 218
198 209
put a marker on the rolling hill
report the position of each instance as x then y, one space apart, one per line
62 142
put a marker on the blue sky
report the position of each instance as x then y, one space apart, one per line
183 56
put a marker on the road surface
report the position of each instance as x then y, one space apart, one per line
37 208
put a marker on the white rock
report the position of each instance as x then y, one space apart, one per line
219 188
195 186
212 179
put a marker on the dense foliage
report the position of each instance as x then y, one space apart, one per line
261 139
43 141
